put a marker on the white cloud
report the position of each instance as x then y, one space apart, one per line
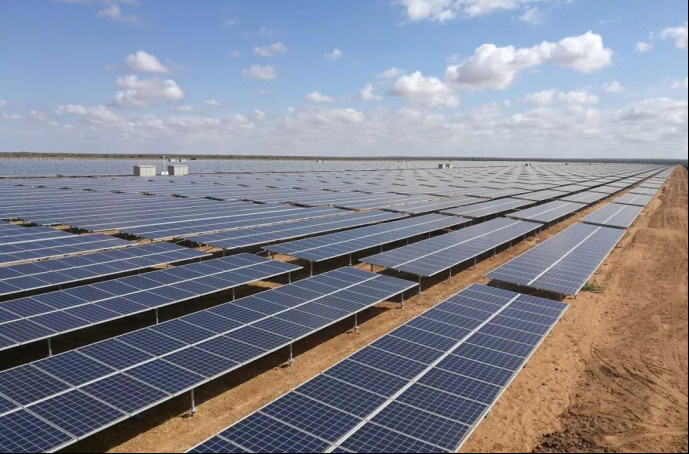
212 102
99 115
235 54
142 61
3 103
444 10
367 94
391 73
115 13
549 97
230 22
424 92
315 96
614 87
136 92
655 127
258 115
267 72
532 15
270 50
643 46
678 34
496 67
336 54
679 84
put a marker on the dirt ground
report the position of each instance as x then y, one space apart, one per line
611 376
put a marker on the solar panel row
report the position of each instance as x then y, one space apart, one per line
430 257
548 212
490 208
614 215
564 262
256 236
29 319
421 388
50 273
57 247
69 396
350 241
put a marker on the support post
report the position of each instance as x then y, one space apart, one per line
157 318
350 259
419 294
192 410
291 356
449 277
289 277
402 300
50 346
474 262
311 269
233 293
356 322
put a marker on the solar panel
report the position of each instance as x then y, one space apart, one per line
563 263
430 257
587 197
614 215
57 247
127 378
256 236
539 196
634 199
408 404
490 208
42 275
348 242
548 212
33 318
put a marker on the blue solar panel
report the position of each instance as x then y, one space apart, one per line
23 431
311 416
30 319
115 353
74 368
125 393
338 244
165 376
419 391
374 438
77 413
563 263
261 433
421 425
432 256
137 370
26 384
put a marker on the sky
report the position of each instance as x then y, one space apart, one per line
479 78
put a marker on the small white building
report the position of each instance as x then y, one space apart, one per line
178 169
144 171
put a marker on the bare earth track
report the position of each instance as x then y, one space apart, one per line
612 376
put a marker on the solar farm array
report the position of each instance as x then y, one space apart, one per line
79 252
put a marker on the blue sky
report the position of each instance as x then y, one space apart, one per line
377 77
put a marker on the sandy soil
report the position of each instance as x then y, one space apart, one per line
612 375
